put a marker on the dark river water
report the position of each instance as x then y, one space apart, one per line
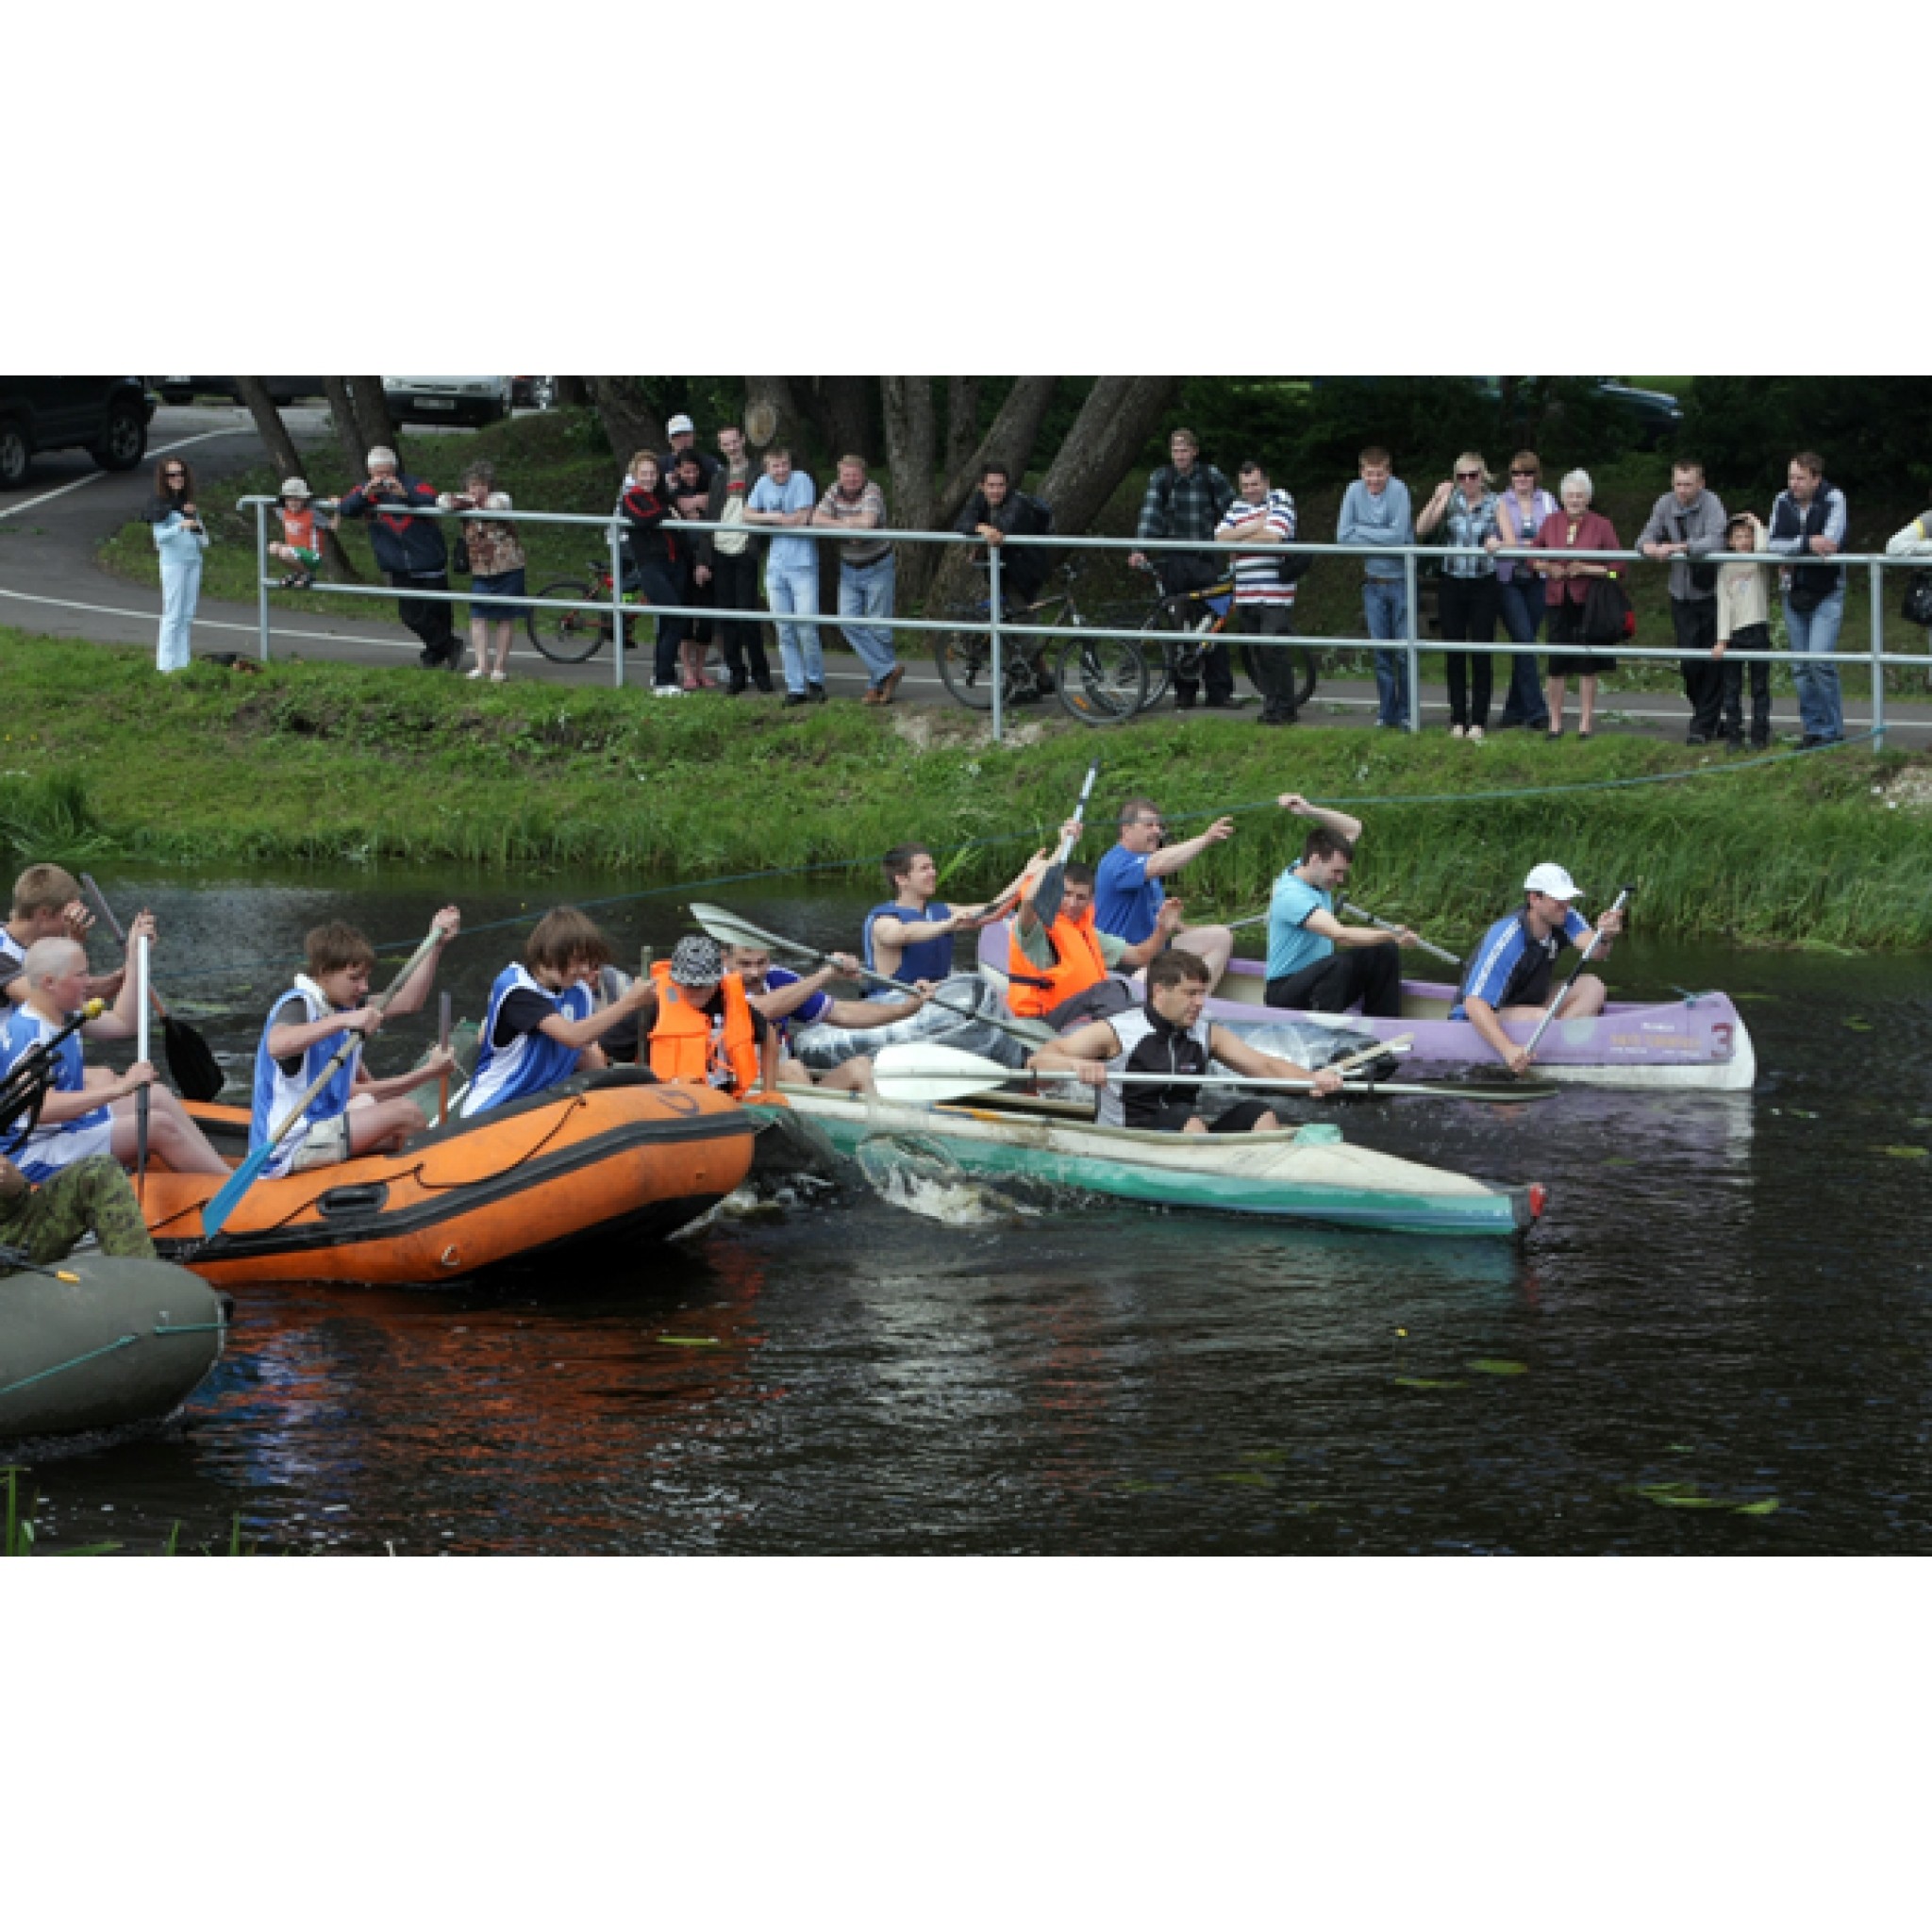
1728 1305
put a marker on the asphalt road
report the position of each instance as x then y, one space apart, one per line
51 528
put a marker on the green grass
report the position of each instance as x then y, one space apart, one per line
327 763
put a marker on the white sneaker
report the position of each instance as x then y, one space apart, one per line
1456 731
475 674
667 691
1475 734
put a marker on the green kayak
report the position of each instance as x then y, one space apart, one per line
126 1341
1309 1175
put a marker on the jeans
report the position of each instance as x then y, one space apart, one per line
867 592
1695 619
660 585
180 592
795 587
1467 609
1385 604
1522 608
1814 637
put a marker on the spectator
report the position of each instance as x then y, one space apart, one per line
1521 512
1469 594
1576 527
302 521
682 435
1743 618
1263 597
690 493
1187 499
1808 520
657 557
866 574
410 552
1687 526
181 540
728 566
996 511
1375 510
783 499
496 563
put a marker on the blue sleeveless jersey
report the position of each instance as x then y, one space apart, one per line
276 1092
929 959
531 1061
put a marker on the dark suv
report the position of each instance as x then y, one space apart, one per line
106 415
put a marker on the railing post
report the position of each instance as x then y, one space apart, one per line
1414 620
1877 570
992 631
616 605
262 574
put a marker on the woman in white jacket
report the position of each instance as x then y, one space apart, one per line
180 539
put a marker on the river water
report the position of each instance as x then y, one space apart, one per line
1727 1309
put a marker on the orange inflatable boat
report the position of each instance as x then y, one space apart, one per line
608 1158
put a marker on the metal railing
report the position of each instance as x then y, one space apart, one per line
999 628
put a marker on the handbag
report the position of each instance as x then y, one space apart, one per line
460 556
1607 618
1917 607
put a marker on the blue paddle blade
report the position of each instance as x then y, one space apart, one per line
216 1213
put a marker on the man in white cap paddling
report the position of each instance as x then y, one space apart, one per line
1510 972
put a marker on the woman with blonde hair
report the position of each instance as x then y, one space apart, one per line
1466 604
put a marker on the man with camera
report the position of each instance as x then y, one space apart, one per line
410 553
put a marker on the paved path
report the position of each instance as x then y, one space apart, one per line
51 526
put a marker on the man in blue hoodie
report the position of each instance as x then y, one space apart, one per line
410 553
1375 510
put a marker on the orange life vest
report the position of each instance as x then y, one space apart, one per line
1032 993
681 1047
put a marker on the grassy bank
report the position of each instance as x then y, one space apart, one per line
101 759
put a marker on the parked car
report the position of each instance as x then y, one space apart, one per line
281 388
106 415
533 391
1657 414
447 398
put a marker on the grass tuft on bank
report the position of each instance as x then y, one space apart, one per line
318 763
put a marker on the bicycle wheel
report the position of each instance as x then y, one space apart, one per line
963 659
1172 656
1303 664
1101 680
567 637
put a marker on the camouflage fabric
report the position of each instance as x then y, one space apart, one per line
90 1196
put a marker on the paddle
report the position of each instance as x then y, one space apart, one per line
928 1074
1542 1025
214 1216
140 1098
190 1058
1053 881
1356 912
442 1046
24 1088
730 930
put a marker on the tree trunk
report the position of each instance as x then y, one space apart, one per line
911 452
771 415
629 420
846 413
1109 433
373 423
1009 439
286 457
341 411
573 392
962 422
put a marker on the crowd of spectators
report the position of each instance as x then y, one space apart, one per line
1505 551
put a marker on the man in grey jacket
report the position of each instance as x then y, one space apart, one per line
1688 526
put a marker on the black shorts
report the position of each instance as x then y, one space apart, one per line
1239 1119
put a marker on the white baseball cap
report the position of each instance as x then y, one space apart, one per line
1553 880
680 425
293 486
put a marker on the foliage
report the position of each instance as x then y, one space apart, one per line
1874 432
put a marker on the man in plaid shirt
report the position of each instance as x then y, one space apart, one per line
1188 499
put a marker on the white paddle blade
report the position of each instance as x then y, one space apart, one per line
729 930
922 1073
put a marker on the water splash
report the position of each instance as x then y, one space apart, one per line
924 1179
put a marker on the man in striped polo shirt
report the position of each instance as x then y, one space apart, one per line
1265 599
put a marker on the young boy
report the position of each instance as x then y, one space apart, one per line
46 906
542 1025
354 1114
83 1116
304 518
1743 618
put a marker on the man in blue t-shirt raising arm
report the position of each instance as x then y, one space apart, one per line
1508 978
1315 963
1127 893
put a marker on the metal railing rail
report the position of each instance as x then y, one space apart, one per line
1001 628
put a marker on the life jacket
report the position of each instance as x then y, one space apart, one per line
1033 992
681 1039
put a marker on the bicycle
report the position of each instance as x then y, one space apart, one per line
568 637
1097 680
1203 615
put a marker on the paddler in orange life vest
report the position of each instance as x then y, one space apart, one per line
696 1026
1064 974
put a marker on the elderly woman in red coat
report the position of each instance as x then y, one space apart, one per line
1576 527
